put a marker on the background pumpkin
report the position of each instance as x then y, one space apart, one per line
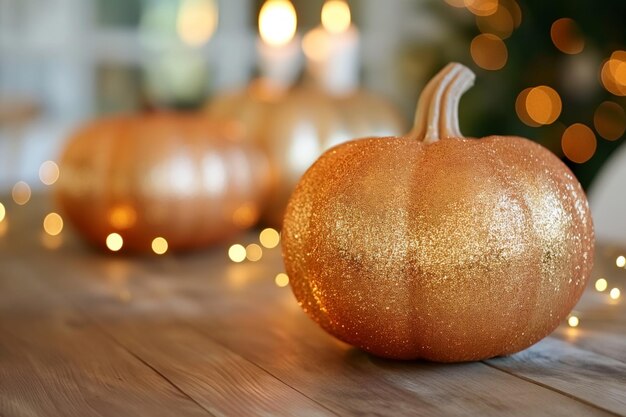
180 177
294 126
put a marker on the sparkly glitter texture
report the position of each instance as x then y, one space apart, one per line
457 250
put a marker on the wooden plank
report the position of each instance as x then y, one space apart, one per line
579 373
263 324
607 339
55 363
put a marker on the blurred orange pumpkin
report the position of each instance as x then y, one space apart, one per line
180 177
295 126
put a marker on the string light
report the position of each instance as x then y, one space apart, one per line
49 172
281 280
237 253
114 242
269 238
543 105
573 321
159 245
615 293
2 212
336 16
601 285
53 224
566 36
254 252
620 261
21 193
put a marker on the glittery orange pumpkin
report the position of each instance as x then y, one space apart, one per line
176 176
435 246
294 126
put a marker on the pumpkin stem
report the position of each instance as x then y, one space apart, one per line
437 114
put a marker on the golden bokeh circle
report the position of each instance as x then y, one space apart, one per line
500 23
543 105
489 52
578 143
609 120
566 36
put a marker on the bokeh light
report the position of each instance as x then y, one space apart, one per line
336 16
482 7
520 108
237 253
196 22
613 73
21 193
620 261
500 23
573 321
269 238
543 105
49 172
53 224
277 22
615 293
159 245
254 252
489 51
609 120
114 242
601 285
122 216
282 280
578 143
3 212
245 216
566 36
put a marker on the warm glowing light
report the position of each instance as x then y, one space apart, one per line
520 108
159 245
237 253
578 143
620 261
610 120
277 22
21 193
3 212
456 3
196 22
489 52
122 216
53 224
254 252
613 74
245 216
566 36
282 280
4 227
51 242
114 242
49 172
573 321
336 16
500 23
269 238
316 45
543 105
601 284
615 293
482 7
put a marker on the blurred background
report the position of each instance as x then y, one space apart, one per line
554 72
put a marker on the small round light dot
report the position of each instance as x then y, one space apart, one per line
609 120
21 193
49 172
620 261
543 105
114 242
237 253
254 252
269 238
53 224
3 212
578 143
282 280
566 36
489 51
573 321
159 245
336 16
601 285
615 293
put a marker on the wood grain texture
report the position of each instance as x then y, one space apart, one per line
82 333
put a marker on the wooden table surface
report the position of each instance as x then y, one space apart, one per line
84 333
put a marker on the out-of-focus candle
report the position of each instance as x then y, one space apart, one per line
278 44
332 49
